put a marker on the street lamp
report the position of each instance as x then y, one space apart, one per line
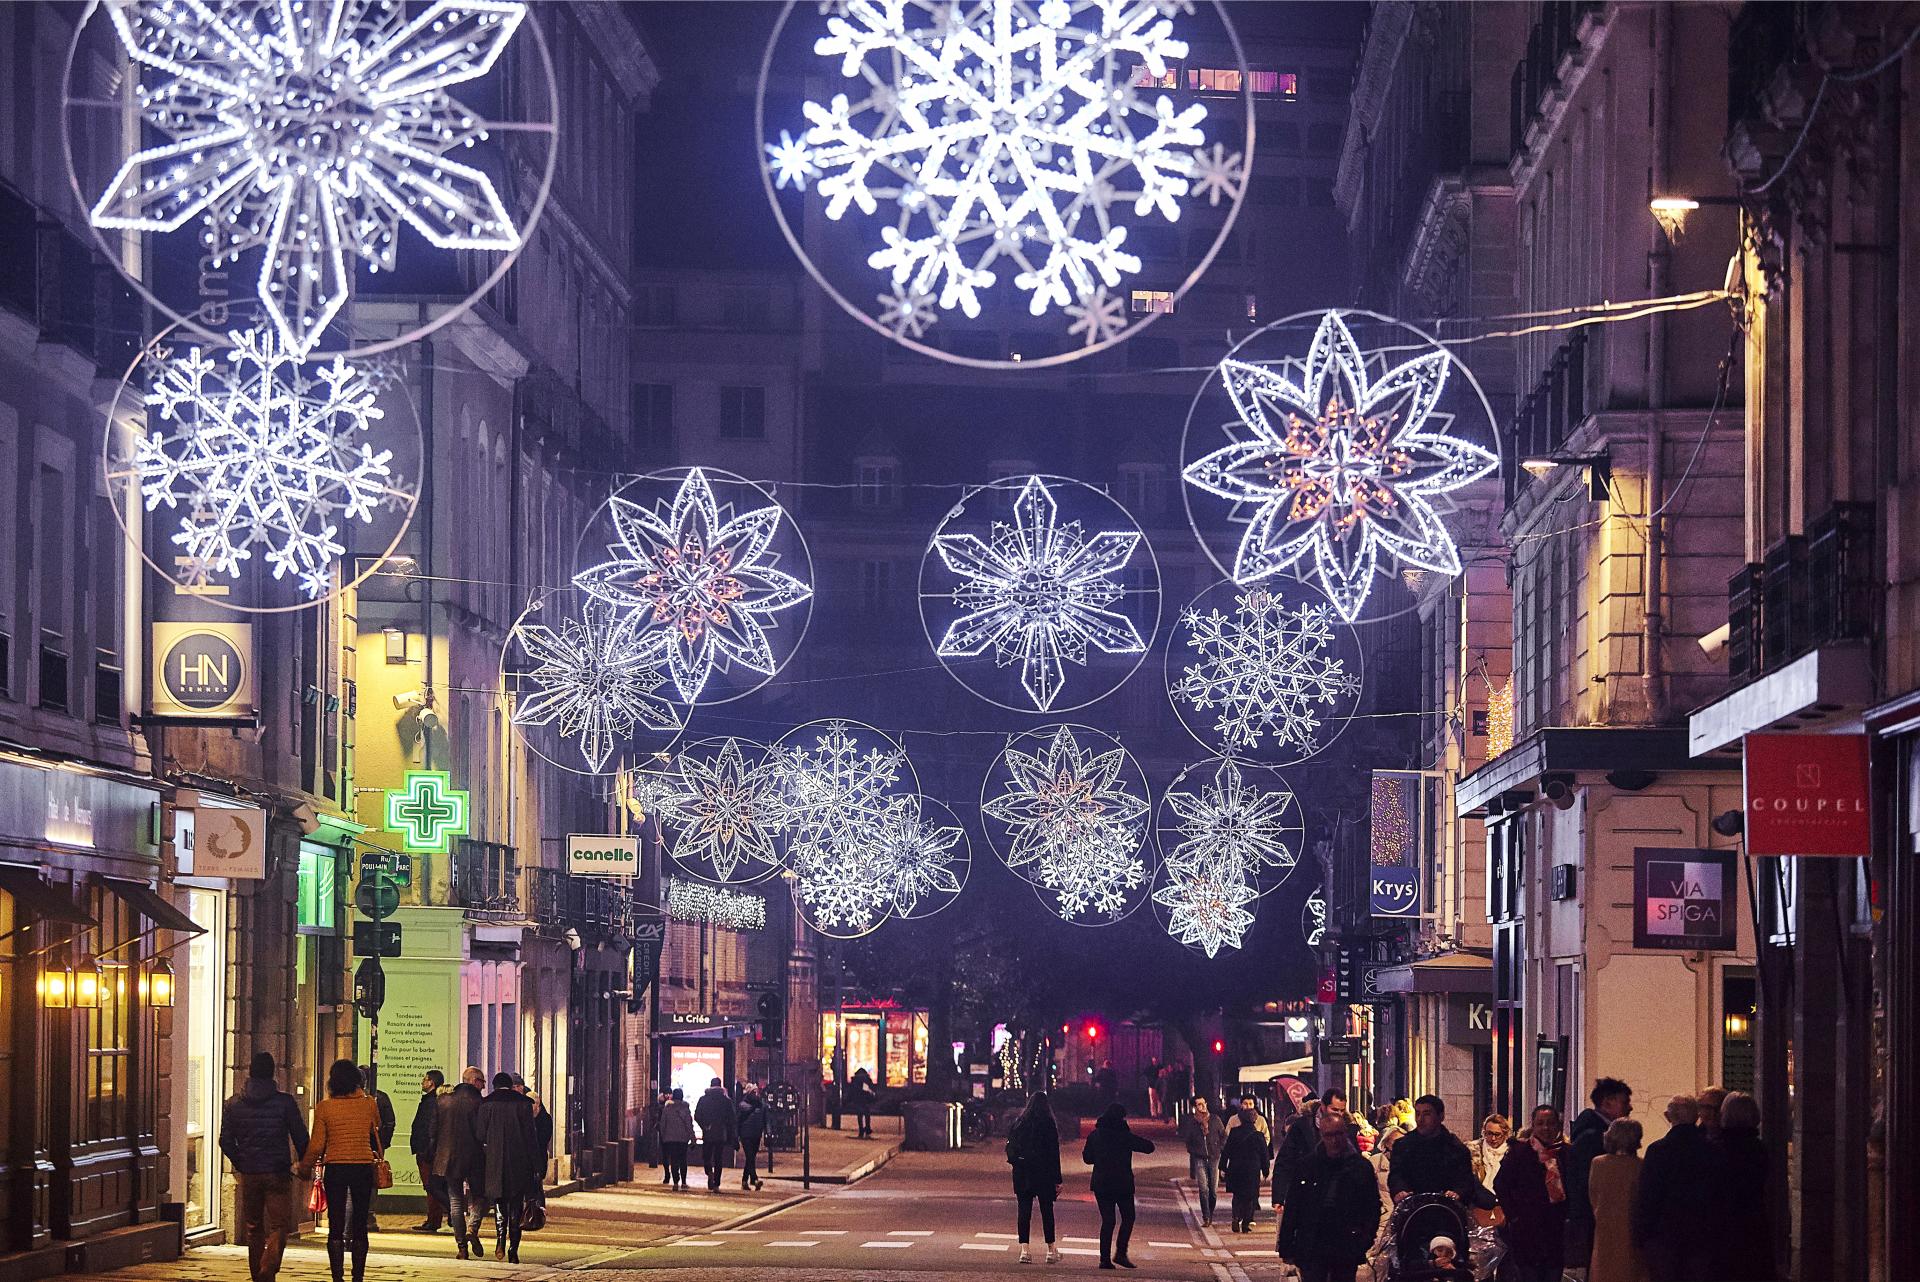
1599 469
1671 211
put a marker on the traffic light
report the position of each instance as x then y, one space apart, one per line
769 1033
1219 1047
1093 1032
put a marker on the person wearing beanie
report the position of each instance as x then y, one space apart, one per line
263 1134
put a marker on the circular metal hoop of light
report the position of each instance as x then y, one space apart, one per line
1040 594
233 468
978 222
1222 811
1067 809
723 823
1333 446
579 693
930 859
1266 674
712 569
1313 917
1207 906
292 170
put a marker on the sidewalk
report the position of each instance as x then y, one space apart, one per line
839 1158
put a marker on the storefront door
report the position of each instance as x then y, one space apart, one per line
204 995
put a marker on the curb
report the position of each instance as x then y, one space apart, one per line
850 1174
757 1213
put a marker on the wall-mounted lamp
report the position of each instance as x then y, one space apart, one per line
396 645
55 985
66 983
1739 1026
158 981
1671 211
1599 470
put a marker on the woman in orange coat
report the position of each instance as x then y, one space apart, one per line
346 1142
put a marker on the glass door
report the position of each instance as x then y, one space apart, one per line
205 994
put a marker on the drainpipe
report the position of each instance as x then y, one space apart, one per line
1659 260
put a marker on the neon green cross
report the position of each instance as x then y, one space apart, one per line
429 812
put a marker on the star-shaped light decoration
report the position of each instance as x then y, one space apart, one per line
1074 824
1038 591
1228 818
591 678
700 581
728 811
310 132
919 858
1313 918
1341 469
1206 903
837 781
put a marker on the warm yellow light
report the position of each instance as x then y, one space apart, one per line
1739 1026
1539 466
1671 212
159 983
87 985
55 988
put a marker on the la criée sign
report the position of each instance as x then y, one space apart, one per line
1806 794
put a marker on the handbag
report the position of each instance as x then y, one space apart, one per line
533 1217
317 1198
382 1173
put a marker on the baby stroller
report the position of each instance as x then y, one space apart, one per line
1415 1223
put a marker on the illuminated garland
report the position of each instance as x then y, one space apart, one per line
729 909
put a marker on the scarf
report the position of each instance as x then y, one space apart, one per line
1549 1155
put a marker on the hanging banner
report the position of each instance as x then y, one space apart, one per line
1806 794
1393 872
1685 900
201 672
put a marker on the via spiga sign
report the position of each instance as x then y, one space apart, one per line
597 855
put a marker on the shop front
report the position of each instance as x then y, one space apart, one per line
888 1041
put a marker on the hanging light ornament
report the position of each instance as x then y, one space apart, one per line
837 783
308 134
1003 143
728 812
923 856
699 581
1217 812
1335 471
1039 592
593 681
1313 918
1206 903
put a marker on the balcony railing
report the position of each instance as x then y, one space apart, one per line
1550 413
1555 32
484 878
594 907
1810 590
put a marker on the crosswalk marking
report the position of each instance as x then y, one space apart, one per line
985 1246
1077 1250
823 1232
696 1241
735 1232
1004 1237
1090 1241
811 1241
910 1233
896 1245
1173 1246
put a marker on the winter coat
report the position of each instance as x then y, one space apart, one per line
1203 1137
1486 1159
542 1127
1438 1163
345 1131
719 1123
1298 1138
1746 1237
256 1127
1243 1162
1109 1151
512 1162
456 1148
1536 1231
420 1133
1333 1210
1611 1182
750 1123
389 1123
1586 1141
1676 1208
676 1122
1033 1151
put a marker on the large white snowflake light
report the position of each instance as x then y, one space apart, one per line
700 580
837 783
310 132
1038 591
919 858
257 450
1001 138
1206 903
1313 918
1269 677
1341 469
593 680
1228 818
1074 824
728 812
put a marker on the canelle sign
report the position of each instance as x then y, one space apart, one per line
592 855
1806 794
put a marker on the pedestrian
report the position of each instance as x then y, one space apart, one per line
262 1134
676 1133
1381 1159
389 1123
1109 1151
1612 1179
1247 1113
1106 1084
457 1160
1675 1209
1490 1149
1150 1084
654 1112
863 1095
1243 1167
420 1144
1205 1136
1033 1151
750 1123
1747 1235
718 1122
1332 1207
1610 1100
1533 1193
542 1134
1300 1137
512 1161
346 1139
1710 1102
1430 1158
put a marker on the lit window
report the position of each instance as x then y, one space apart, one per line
1275 84
1147 301
1214 79
1143 78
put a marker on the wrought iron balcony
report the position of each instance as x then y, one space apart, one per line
1555 33
484 878
1550 413
597 908
1811 590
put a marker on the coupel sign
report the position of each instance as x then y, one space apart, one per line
592 855
1806 794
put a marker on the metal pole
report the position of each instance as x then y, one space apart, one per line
806 1137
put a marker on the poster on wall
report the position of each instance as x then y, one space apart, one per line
692 1067
1685 900
1806 794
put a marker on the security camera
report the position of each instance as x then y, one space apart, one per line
1716 641
429 719
1730 823
574 941
303 814
408 700
1558 789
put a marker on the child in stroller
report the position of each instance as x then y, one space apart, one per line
1429 1236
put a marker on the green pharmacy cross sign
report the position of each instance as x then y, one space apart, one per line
429 812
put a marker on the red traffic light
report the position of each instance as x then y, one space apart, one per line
1219 1047
1093 1032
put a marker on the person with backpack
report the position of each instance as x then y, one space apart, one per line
1033 1151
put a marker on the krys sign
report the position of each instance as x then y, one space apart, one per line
592 855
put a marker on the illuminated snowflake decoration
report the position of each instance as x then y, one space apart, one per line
1038 591
1206 902
260 451
649 794
1313 918
1341 470
1268 676
310 132
918 857
593 681
700 581
1227 819
1004 135
728 812
836 786
1075 826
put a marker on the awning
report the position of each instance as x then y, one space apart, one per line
1447 973
147 902
36 898
1267 1072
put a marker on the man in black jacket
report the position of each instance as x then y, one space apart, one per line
1674 1208
1612 1099
1300 1135
1430 1158
262 1134
719 1130
389 1123
420 1144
